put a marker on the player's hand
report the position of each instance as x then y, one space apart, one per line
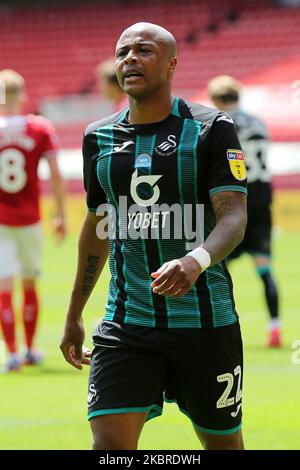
60 229
86 356
175 278
72 344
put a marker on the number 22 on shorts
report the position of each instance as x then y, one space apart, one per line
224 399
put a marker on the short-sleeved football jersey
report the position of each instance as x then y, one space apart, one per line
145 171
254 138
24 140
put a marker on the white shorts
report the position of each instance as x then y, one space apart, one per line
20 251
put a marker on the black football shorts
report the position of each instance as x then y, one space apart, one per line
257 240
136 368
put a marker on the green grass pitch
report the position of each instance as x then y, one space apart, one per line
45 408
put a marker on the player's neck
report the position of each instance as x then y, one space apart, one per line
118 96
10 110
230 107
151 109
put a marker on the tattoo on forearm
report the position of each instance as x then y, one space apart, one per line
90 274
230 212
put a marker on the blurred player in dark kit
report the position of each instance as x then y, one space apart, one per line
109 86
224 92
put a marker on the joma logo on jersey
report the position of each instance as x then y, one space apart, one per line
167 147
237 164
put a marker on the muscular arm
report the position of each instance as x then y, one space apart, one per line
231 213
92 255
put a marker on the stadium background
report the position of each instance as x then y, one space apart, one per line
56 47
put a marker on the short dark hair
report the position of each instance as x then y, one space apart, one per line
229 96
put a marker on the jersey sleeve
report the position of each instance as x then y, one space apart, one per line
50 140
94 192
226 166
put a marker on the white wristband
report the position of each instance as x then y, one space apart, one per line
201 256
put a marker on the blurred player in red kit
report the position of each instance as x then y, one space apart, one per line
24 140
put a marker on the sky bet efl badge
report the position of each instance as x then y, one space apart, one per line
237 164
